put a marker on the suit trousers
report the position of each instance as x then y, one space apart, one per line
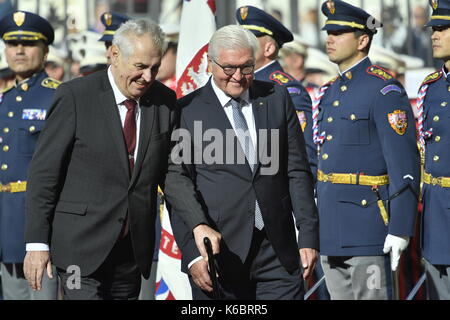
117 278
358 277
438 281
261 277
16 287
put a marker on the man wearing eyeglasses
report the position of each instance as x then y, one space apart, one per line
249 204
272 35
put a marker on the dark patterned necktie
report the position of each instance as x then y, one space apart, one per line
129 130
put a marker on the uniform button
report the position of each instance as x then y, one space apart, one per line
32 129
18 98
6 130
325 156
437 138
336 103
330 119
436 118
329 137
6 148
4 167
10 114
444 104
364 202
24 87
352 117
436 158
344 88
448 89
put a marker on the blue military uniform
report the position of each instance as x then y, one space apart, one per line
111 21
369 131
434 130
368 166
23 109
262 24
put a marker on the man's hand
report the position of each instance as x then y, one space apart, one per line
395 245
34 265
200 275
308 259
200 232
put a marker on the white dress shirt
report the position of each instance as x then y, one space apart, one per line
119 98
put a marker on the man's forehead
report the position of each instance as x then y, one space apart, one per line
236 54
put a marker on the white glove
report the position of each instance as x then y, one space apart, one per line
395 245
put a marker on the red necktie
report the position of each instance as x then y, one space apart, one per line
129 130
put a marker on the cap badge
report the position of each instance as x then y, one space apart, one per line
331 7
19 18
434 4
244 12
108 19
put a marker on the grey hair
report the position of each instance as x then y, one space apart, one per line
232 37
123 38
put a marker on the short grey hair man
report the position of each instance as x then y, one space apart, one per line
136 28
232 37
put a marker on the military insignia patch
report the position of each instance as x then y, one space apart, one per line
293 90
398 121
34 114
434 4
379 72
108 19
389 88
432 77
243 12
50 83
331 7
302 119
19 18
279 77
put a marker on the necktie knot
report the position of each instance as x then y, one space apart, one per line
130 104
235 102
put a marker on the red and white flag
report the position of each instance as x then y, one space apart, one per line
197 25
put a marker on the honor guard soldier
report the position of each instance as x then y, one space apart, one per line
368 165
23 108
271 36
111 21
434 130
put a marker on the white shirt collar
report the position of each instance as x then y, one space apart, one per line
341 73
263 67
118 95
224 99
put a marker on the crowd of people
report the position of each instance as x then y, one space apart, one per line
313 175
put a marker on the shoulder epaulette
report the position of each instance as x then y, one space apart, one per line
6 89
379 72
331 81
50 83
280 77
432 77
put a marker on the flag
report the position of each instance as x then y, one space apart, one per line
197 25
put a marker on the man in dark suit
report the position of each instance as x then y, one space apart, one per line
250 199
91 196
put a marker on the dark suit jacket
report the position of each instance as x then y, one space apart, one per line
227 192
80 188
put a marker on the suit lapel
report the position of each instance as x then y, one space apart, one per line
147 118
259 106
112 117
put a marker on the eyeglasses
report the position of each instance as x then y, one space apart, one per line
230 70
